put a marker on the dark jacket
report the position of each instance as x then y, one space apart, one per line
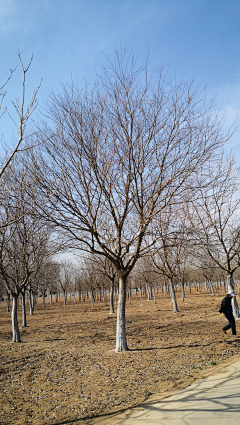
226 306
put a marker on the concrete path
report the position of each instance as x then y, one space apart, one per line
214 400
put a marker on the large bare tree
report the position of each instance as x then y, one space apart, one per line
125 148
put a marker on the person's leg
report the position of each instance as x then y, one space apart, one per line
232 325
225 328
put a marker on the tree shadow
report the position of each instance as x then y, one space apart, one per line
197 403
198 398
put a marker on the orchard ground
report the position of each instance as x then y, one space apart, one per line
66 371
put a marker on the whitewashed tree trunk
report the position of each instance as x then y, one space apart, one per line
211 287
15 329
121 341
50 297
173 296
31 304
65 297
111 296
59 301
235 308
141 296
183 292
147 291
24 316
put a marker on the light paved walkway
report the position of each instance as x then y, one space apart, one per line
214 400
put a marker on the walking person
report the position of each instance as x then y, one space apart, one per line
226 309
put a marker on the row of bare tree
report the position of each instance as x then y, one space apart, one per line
128 168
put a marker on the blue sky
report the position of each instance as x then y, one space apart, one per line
70 37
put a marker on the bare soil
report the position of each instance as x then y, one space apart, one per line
66 371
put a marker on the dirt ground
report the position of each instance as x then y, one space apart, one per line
66 371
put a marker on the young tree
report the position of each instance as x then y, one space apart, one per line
125 148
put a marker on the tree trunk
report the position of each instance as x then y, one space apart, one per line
154 297
50 297
15 329
141 296
121 341
8 303
111 296
183 292
43 300
173 296
31 304
24 317
105 295
93 299
211 287
235 308
65 297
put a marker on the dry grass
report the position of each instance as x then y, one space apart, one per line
65 371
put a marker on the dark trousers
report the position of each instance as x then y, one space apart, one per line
230 318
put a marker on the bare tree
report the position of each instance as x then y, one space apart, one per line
24 244
214 216
89 276
66 276
105 267
23 113
170 228
126 147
